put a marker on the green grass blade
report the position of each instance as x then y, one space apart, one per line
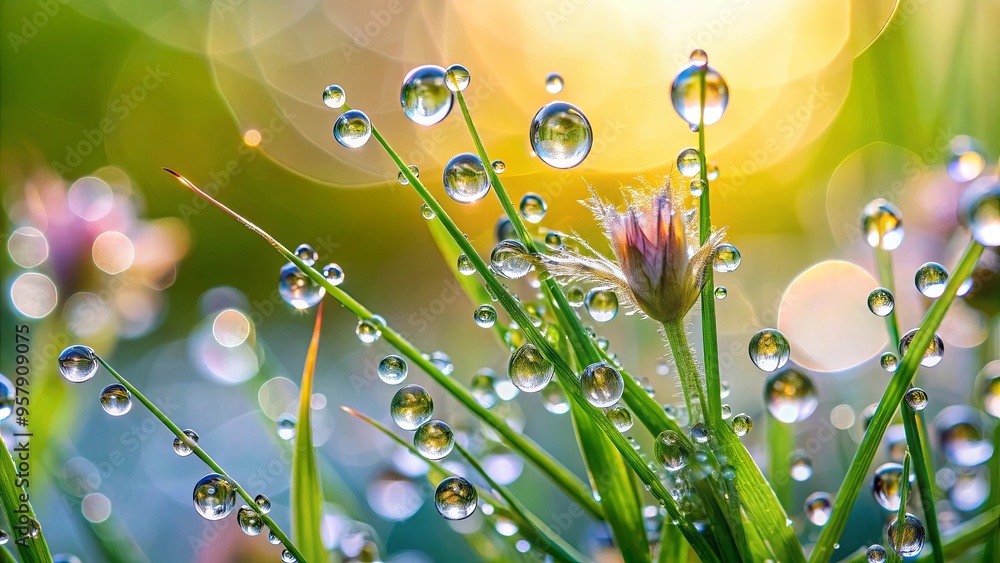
6 556
781 441
960 539
561 476
307 491
673 547
13 497
904 497
992 550
887 406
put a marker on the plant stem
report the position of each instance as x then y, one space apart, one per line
520 443
883 260
904 494
12 496
887 406
198 451
687 369
781 439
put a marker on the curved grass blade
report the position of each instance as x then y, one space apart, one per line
13 497
887 406
904 496
6 556
307 491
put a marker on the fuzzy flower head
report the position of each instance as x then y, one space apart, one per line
657 268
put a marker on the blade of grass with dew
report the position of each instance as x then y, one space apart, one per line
913 422
673 547
19 512
992 550
562 369
307 492
904 496
781 441
203 455
554 544
887 406
766 510
561 476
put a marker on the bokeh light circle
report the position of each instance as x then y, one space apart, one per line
33 295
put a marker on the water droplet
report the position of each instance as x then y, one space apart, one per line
553 240
181 448
887 485
434 439
553 83
790 396
800 468
504 229
334 96
34 528
457 78
263 503
966 159
368 331
465 178
561 135
465 266
769 349
697 187
931 279
876 554
352 129
250 522
8 396
298 289
333 273
880 301
455 498
287 557
508 260
713 171
485 316
554 398
960 431
909 541
499 166
426 212
670 451
916 399
441 361
285 426
882 224
727 411
392 369
727 258
306 253
818 507
78 363
686 94
4 537
742 424
411 406
699 432
272 538
934 353
987 387
689 162
721 292
214 497
533 208
621 417
481 387
575 296
403 180
116 400
425 97
602 304
889 362
699 57
984 216
602 385
528 369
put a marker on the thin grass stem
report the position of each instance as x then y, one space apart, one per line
904 496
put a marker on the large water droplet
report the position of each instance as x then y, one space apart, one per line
528 369
882 225
689 162
333 273
285 426
457 78
727 258
368 331
887 485
214 496
553 83
800 468
180 447
889 362
508 260
876 554
602 304
78 363
485 316
263 503
455 498
931 279
499 167
553 240
533 208
960 432
465 178
465 265
602 385
561 135
880 301
352 129
250 522
621 417
392 369
742 424
909 541
818 507
769 349
425 97
426 212
411 406
434 439
790 396
116 400
721 292
984 216
966 159
298 289
686 94
334 96
670 451
307 254
697 187
934 353
916 399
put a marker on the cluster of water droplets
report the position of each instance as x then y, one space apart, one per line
297 288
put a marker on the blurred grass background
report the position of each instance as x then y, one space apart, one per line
821 119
